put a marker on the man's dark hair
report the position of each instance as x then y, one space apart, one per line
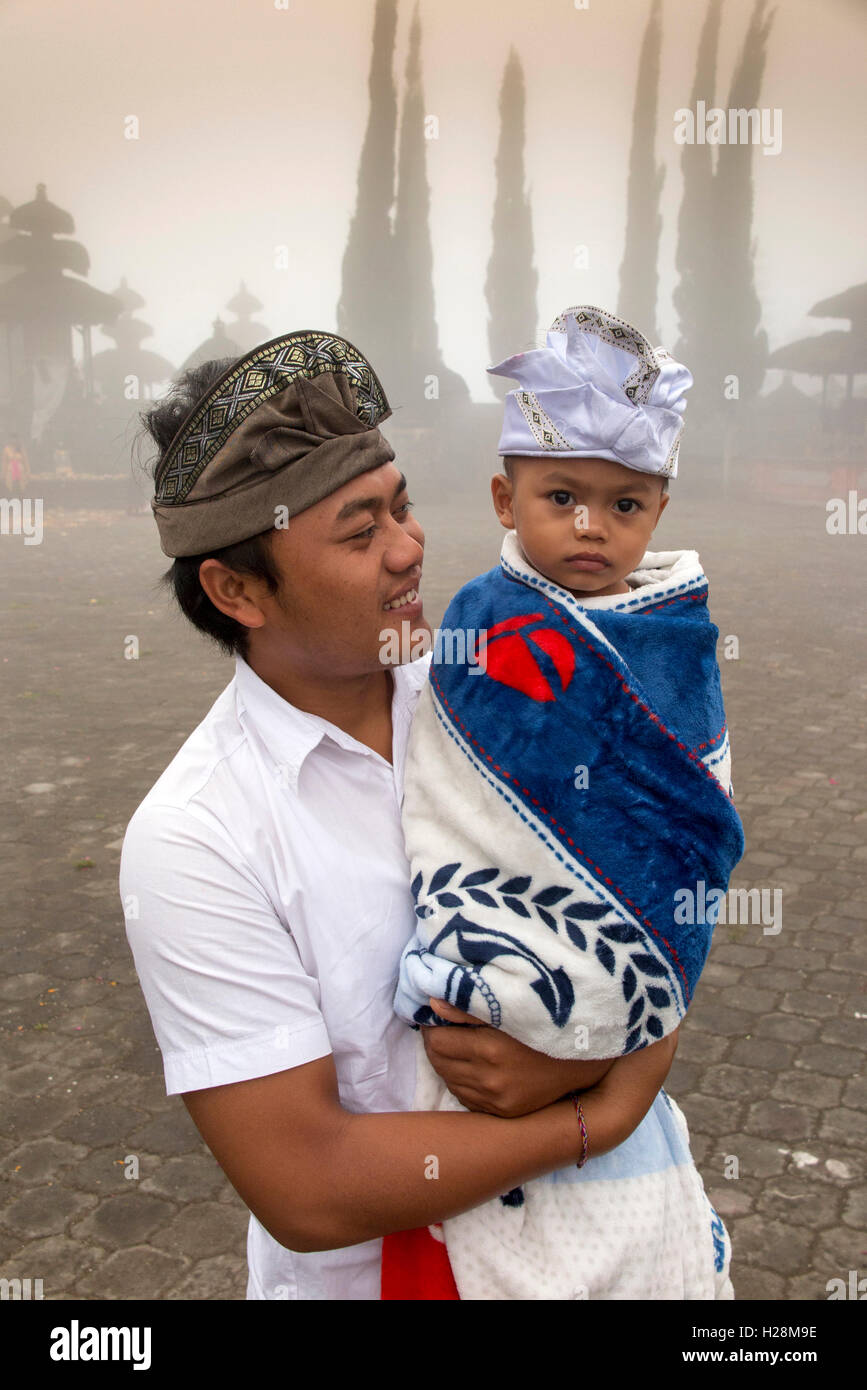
162 422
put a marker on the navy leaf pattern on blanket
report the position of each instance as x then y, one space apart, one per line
642 975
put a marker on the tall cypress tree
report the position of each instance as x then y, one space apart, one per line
366 311
740 343
416 347
512 281
639 277
694 294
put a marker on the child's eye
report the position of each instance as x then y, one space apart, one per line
628 502
561 494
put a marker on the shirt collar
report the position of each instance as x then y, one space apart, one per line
291 734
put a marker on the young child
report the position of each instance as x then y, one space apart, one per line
567 779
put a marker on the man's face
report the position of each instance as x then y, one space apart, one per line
346 565
590 550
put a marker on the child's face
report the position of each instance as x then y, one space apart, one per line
589 550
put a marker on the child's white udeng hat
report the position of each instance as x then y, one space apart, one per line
596 390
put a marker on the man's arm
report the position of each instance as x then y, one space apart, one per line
319 1178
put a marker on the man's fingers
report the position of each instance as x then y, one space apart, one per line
448 1011
453 1044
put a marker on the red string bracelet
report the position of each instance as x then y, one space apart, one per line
584 1155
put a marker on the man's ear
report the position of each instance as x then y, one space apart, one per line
235 594
501 493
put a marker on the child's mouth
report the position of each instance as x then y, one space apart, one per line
591 562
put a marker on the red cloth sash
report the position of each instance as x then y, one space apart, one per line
415 1265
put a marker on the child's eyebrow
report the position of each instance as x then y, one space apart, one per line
639 485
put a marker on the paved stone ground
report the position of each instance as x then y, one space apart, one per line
768 1066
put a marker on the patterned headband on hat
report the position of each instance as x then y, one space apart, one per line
288 424
596 390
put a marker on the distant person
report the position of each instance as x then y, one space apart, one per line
16 468
62 460
567 779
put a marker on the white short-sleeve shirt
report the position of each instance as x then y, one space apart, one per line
267 902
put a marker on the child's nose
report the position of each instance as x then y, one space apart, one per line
589 520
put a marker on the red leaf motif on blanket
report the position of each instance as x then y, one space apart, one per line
506 657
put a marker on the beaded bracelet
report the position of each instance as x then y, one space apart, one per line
584 1155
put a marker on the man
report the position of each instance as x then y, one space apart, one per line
264 877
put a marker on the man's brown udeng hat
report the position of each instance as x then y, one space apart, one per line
287 425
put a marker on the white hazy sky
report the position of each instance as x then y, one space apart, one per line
251 121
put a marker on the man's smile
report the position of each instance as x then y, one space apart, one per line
405 599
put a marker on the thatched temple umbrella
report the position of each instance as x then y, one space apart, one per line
218 345
835 353
850 304
244 331
42 304
113 368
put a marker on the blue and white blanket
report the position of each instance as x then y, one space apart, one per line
567 782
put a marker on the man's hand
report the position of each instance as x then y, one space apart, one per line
487 1070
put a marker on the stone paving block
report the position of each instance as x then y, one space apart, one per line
124 1219
201 1230
785 1028
171 1132
775 978
708 1114
756 1283
682 1076
855 1093
838 1250
39 1114
57 1260
809 1088
137 1272
855 1208
789 1200
731 953
101 1125
773 1245
845 1127
776 1119
45 1210
103 1171
806 1288
721 975
754 1052
731 1199
39 1160
186 1178
830 1060
221 1276
734 1082
698 1046
16 987
722 1019
810 1004
755 1001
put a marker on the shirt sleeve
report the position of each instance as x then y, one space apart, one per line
228 996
